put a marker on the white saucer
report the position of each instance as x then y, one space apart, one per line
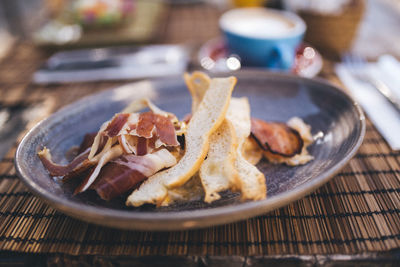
214 56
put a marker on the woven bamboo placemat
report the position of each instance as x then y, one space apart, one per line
357 211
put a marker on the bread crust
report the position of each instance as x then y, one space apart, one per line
218 172
208 117
250 181
197 84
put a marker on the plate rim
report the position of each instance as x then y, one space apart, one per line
182 220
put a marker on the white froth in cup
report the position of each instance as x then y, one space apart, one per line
261 23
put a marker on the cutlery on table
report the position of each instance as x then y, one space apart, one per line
357 66
370 84
113 63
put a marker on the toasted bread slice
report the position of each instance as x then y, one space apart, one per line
192 190
218 172
197 84
250 181
251 151
207 118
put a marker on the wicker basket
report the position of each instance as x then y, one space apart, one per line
333 34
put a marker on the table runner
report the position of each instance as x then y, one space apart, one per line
357 211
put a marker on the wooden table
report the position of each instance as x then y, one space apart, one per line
354 219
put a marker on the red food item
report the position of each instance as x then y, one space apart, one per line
165 130
87 142
116 179
111 174
115 126
61 170
127 171
79 165
276 137
164 127
141 148
86 168
146 124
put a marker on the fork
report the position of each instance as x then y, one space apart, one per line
357 68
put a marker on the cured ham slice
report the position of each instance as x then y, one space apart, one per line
145 125
116 124
87 142
299 159
80 164
142 146
165 130
130 130
57 169
80 171
163 127
136 145
276 137
124 173
103 159
126 150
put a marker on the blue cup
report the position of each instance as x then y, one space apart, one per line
262 37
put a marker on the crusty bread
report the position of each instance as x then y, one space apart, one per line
207 118
197 84
192 190
250 181
251 151
218 172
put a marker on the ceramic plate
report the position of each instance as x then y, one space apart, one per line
273 97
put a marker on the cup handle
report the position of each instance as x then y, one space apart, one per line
285 55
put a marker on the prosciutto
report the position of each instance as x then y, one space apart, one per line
132 131
163 127
276 138
126 172
103 159
80 164
126 149
116 124
61 170
87 142
142 146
